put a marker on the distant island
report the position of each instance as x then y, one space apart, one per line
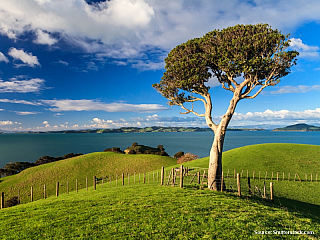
143 130
301 127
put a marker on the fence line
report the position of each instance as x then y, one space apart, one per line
195 177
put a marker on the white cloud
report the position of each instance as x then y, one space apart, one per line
92 105
22 86
44 38
296 89
27 58
20 101
45 122
25 113
6 123
125 28
304 49
63 62
3 58
3 123
283 115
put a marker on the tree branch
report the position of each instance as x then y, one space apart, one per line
257 93
190 111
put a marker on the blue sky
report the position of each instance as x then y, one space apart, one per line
76 64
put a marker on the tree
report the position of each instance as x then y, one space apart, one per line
245 59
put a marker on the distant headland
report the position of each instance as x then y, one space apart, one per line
301 127
143 130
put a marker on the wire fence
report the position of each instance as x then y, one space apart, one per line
243 183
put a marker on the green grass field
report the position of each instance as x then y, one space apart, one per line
94 164
150 211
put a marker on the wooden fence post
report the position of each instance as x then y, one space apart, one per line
44 192
57 189
238 184
221 184
249 185
198 177
173 176
2 200
306 177
264 189
31 194
277 176
122 179
181 176
204 174
254 173
94 183
128 178
311 177
288 176
77 185
162 175
271 191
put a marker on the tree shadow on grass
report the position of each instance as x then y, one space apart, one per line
305 209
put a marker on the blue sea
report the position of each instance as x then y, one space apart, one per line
30 147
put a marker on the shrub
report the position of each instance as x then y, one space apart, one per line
114 149
134 144
160 147
187 158
178 155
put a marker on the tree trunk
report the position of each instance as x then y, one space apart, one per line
215 164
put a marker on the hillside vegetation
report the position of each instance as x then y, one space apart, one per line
94 164
150 211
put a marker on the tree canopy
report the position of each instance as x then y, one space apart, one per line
244 56
245 59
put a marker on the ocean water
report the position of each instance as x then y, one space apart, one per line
30 147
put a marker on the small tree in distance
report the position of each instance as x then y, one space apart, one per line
245 59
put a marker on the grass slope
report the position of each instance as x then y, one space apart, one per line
148 211
94 164
278 157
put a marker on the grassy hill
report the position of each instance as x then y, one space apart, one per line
94 164
278 157
149 211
